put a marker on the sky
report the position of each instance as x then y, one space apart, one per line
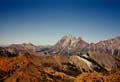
44 22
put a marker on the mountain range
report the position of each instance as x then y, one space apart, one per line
73 45
71 59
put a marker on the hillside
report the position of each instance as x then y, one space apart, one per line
26 67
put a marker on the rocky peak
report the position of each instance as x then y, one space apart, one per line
70 41
70 44
70 37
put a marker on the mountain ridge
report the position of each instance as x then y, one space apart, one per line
69 44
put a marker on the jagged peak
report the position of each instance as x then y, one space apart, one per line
69 36
69 41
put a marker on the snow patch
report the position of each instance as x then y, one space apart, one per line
86 61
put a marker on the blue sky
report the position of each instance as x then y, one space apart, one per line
46 21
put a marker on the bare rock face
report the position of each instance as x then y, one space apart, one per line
72 45
92 61
82 64
111 46
108 62
69 44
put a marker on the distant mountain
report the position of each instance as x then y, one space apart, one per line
24 47
29 47
72 45
69 45
111 46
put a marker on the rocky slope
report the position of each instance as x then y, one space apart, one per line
111 46
26 67
92 61
69 45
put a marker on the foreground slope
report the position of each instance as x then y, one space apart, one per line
26 67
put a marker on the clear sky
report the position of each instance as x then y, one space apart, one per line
46 21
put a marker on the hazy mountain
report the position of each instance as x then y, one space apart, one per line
24 47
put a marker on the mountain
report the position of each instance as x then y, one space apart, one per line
69 45
24 47
69 42
72 45
92 61
111 46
